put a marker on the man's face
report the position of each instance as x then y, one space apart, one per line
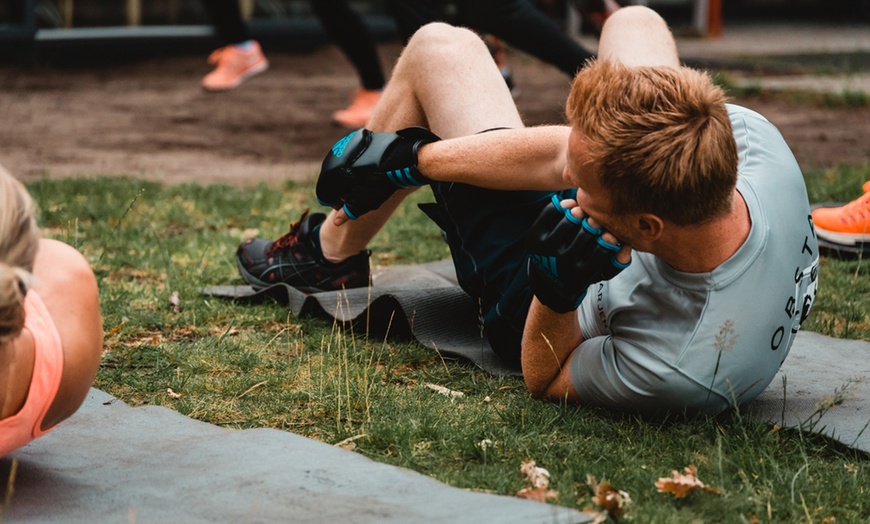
591 196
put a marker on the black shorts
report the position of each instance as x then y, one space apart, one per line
486 230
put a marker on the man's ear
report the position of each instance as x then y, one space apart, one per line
650 226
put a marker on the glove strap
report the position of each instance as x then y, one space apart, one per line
410 176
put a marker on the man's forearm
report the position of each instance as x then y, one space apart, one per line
549 339
510 159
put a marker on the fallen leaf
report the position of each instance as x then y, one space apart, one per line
348 440
349 443
827 402
115 329
537 494
145 340
537 477
680 484
140 274
445 391
175 301
223 332
607 497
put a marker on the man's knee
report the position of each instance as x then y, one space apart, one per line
439 38
635 15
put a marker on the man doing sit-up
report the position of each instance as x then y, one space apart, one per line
656 255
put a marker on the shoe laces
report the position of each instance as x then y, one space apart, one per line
289 239
858 209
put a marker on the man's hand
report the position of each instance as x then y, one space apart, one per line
566 256
363 169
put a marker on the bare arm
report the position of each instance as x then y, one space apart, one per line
67 286
549 339
508 159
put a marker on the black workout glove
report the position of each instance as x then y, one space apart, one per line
566 256
363 169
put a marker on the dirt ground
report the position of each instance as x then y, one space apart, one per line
150 119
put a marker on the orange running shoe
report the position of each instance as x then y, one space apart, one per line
234 66
846 225
359 111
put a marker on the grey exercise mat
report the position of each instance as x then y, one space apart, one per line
823 387
421 302
424 302
111 463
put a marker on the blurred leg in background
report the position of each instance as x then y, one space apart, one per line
241 57
349 32
517 23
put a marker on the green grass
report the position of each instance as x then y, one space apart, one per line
843 99
258 366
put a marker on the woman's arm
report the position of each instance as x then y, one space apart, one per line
65 282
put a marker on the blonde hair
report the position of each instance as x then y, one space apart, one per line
661 138
19 239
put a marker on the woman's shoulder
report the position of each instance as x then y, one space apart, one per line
58 262
66 284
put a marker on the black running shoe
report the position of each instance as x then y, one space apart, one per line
295 260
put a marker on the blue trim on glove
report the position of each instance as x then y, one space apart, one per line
348 213
339 147
557 203
572 218
619 265
403 178
607 245
597 231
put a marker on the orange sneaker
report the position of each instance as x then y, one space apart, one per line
846 225
359 111
234 66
